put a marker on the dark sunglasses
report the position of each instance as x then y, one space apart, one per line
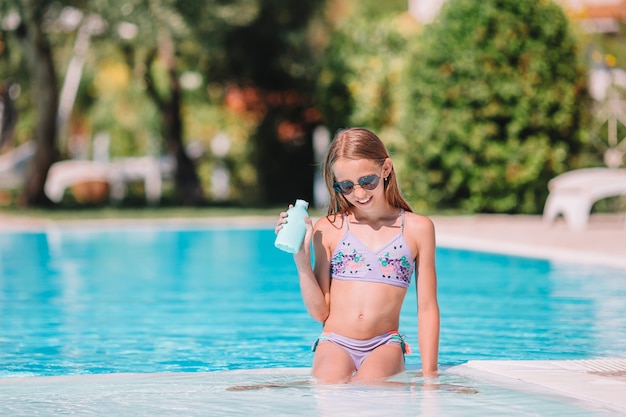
369 182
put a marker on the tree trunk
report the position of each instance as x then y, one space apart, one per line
188 188
45 88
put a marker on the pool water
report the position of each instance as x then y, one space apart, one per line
153 300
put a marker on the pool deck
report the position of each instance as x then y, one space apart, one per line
601 382
602 243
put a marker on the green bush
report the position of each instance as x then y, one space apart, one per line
496 106
361 71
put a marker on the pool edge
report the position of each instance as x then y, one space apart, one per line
586 380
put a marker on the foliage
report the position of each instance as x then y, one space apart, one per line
268 70
14 56
13 69
361 72
206 121
612 48
129 74
491 106
258 46
32 25
361 80
495 108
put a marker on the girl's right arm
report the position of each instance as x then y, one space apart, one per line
314 282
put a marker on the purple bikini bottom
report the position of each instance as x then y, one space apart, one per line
359 349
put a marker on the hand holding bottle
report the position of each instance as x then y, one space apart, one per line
292 227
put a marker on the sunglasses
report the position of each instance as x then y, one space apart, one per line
369 182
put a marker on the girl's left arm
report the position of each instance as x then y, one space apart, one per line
427 305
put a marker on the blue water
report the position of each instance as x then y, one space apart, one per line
149 299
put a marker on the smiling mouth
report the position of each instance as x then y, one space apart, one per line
364 201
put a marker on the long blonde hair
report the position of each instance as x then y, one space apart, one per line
359 143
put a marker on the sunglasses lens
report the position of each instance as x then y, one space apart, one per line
370 182
343 187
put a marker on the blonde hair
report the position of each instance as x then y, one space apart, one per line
359 143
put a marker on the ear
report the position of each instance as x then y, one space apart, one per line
387 167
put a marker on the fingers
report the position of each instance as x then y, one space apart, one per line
308 235
282 219
309 225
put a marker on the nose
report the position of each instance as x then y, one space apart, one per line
359 191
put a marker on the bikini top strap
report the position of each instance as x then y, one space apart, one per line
347 221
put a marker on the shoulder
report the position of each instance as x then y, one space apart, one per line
420 234
418 221
330 228
420 227
330 224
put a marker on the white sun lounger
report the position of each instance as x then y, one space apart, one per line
573 194
117 173
13 165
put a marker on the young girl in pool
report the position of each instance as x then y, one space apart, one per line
365 252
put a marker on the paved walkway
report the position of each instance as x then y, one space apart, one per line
596 381
603 242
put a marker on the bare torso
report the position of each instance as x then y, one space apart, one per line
359 309
362 310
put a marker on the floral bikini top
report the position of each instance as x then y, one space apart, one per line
392 264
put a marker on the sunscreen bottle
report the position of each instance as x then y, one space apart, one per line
290 237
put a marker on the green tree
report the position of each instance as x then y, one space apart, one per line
266 51
259 46
153 53
258 49
362 69
496 106
31 16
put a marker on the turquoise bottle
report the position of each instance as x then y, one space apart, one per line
290 237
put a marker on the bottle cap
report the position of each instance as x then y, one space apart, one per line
300 202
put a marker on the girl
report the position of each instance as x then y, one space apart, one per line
365 252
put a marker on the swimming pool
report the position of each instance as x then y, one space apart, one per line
213 299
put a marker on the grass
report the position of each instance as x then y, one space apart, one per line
139 210
135 213
133 206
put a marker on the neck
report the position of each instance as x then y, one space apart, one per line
385 217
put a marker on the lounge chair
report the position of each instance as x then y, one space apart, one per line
13 165
573 194
117 173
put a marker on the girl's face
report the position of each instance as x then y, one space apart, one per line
361 181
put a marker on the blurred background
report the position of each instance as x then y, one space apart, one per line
161 103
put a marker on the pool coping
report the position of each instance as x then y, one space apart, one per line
598 381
